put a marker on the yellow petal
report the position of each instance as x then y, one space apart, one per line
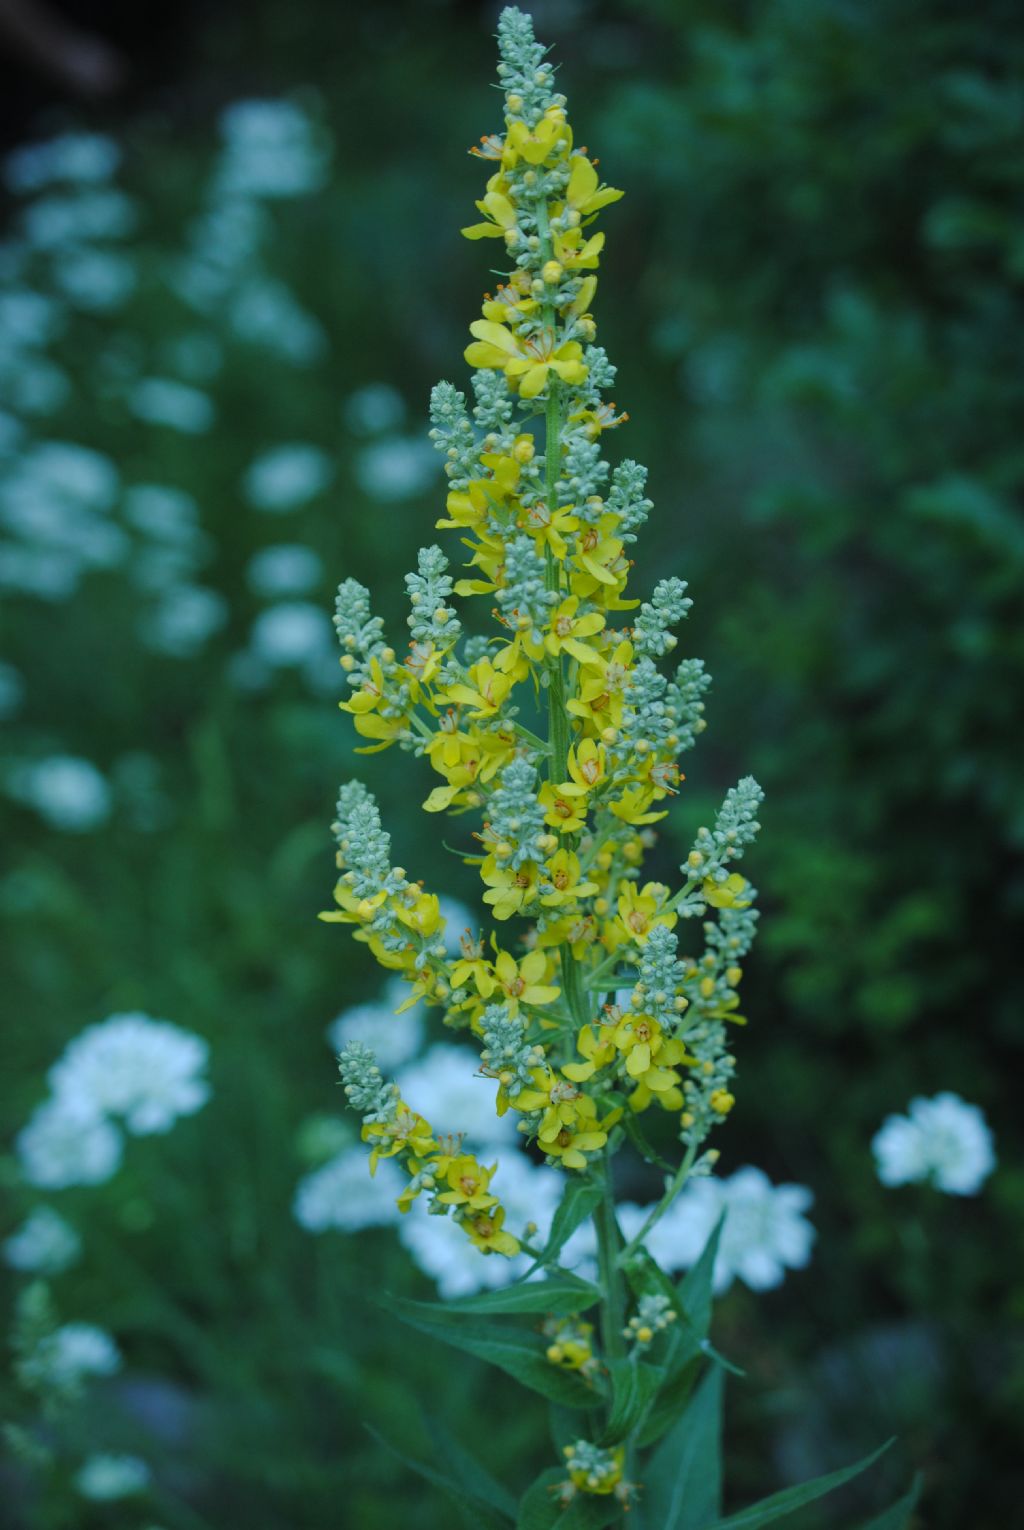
582 182
534 380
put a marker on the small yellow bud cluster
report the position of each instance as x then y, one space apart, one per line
654 1314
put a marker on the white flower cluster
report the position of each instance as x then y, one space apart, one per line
943 1140
44 1244
131 1069
62 1360
106 1478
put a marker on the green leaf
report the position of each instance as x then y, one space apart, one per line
635 1384
474 1476
684 1477
898 1515
695 1288
790 1499
486 1515
562 1293
581 1199
514 1350
670 1402
540 1508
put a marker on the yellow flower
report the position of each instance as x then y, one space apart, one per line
537 144
528 360
509 891
406 1133
586 766
486 1231
486 691
468 1183
727 894
561 812
548 528
602 688
563 872
524 981
498 210
584 193
639 910
633 805
567 629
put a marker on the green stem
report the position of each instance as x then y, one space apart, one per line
681 1176
609 1240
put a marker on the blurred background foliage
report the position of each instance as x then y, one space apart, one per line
813 294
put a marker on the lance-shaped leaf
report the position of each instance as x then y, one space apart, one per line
479 1511
514 1350
790 1499
897 1516
580 1200
542 1509
473 1475
684 1478
634 1384
561 1293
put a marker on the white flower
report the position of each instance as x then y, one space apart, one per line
271 149
342 1194
185 618
163 401
96 280
74 1351
373 408
67 1143
290 633
106 1478
943 1139
445 1253
765 1231
76 157
44 1244
148 1071
66 470
395 468
61 221
287 476
445 1087
263 312
394 1038
287 569
68 793
163 512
